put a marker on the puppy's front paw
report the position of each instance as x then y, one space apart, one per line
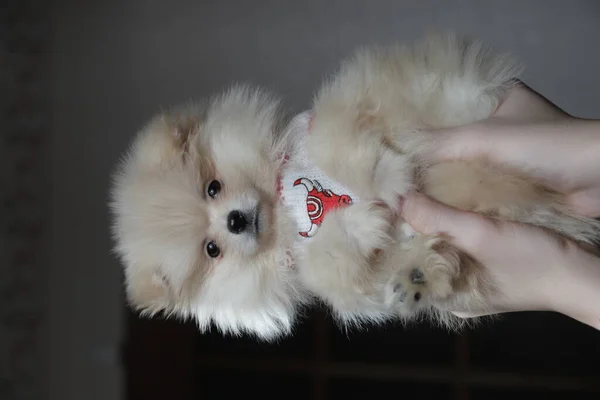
369 225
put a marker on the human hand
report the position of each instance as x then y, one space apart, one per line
530 269
530 134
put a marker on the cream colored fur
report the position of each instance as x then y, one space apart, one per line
366 134
163 217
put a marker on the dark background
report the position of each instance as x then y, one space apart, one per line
80 77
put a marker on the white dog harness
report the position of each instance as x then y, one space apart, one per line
304 188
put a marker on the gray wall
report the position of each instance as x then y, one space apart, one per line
116 62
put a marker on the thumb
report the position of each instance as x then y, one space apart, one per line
430 217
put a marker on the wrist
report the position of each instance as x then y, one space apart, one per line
585 133
577 293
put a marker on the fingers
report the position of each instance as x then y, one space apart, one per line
521 101
586 202
427 216
442 144
467 315
521 105
466 142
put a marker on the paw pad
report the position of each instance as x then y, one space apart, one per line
401 293
417 277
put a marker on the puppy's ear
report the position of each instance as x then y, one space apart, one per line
183 131
148 291
184 123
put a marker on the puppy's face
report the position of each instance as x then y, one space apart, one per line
196 222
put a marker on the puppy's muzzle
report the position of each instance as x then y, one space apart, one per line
237 222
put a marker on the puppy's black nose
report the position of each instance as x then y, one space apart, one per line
236 222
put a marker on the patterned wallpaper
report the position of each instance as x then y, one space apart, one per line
24 35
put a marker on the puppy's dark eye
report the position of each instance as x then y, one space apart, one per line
212 250
213 189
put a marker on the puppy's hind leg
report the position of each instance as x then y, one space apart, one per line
425 270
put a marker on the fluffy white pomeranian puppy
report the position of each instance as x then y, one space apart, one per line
233 214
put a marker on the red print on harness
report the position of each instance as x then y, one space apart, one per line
319 201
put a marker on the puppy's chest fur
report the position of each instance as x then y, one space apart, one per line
306 191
